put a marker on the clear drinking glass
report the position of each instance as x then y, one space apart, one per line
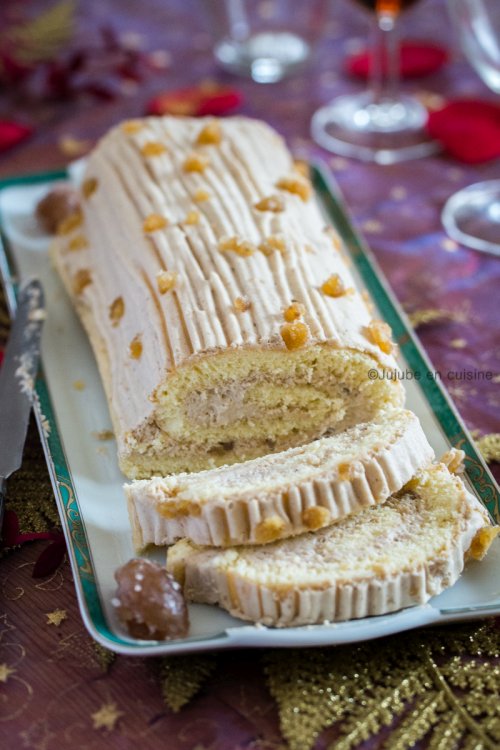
381 124
472 216
265 39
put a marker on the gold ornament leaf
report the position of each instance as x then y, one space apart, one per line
104 656
183 676
489 446
441 685
427 315
42 37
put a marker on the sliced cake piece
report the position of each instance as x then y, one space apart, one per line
282 494
391 556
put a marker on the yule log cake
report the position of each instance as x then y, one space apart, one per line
221 310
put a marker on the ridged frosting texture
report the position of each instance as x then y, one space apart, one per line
148 168
283 494
390 556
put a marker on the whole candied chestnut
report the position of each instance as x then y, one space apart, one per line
149 601
61 202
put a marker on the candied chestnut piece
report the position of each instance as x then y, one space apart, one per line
57 205
149 601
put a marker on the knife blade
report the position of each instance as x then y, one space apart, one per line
17 379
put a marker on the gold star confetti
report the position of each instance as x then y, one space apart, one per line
399 193
56 617
449 245
106 717
5 672
372 226
338 163
73 147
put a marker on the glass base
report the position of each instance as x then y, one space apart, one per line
385 132
472 216
266 57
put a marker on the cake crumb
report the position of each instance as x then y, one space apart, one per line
36 315
103 435
454 460
78 385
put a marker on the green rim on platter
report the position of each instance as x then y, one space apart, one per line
372 277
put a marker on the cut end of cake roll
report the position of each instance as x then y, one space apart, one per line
223 314
236 406
283 494
391 556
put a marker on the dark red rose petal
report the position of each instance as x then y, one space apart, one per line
417 59
12 133
468 129
196 101
50 559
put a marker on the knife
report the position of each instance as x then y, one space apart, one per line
17 380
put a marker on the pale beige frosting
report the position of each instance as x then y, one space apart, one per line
198 316
390 556
283 494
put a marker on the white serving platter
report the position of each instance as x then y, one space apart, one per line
88 483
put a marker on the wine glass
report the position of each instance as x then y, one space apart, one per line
472 216
266 40
381 124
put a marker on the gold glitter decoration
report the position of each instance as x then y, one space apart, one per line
441 684
56 617
106 717
41 38
104 657
29 492
489 446
183 676
5 672
428 315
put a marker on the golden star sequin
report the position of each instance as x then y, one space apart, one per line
56 617
5 672
106 717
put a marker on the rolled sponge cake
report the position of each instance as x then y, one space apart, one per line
391 556
283 494
222 312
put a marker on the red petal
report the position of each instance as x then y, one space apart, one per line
219 104
196 101
469 130
12 133
417 59
50 559
10 529
11 535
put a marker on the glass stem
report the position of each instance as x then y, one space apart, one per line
384 72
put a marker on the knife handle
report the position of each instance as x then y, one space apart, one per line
3 487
